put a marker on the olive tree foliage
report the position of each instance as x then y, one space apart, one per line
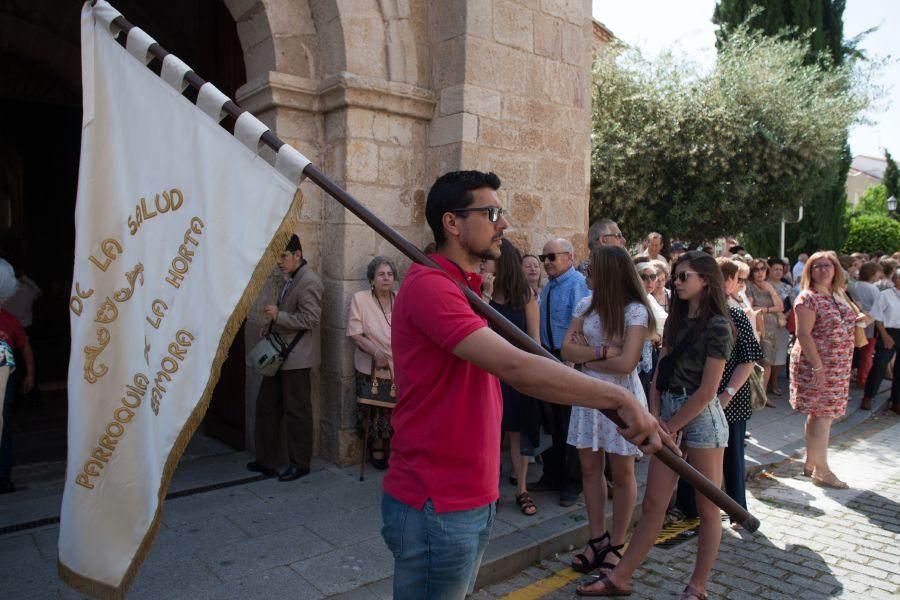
697 155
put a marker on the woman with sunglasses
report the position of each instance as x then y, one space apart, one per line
697 341
821 359
607 335
766 302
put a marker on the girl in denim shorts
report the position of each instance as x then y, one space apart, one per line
697 341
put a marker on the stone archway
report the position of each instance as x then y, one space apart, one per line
345 84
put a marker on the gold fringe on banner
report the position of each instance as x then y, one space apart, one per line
261 273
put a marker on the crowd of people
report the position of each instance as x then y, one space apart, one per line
684 343
694 338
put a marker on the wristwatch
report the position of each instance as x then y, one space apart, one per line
731 391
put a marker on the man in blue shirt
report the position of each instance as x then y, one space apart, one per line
565 288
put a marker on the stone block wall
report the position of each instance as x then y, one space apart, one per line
385 95
513 83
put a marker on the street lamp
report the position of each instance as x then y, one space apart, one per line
892 204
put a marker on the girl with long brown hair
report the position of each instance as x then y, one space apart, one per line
697 341
607 335
515 300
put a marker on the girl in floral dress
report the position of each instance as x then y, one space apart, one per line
607 335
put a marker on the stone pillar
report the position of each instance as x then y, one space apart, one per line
375 130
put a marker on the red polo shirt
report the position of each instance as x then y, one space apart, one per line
446 443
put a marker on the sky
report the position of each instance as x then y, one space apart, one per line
686 26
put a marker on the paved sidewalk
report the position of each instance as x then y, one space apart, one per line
313 538
813 542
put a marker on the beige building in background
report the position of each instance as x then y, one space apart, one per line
865 171
383 96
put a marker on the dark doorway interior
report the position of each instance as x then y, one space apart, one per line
40 128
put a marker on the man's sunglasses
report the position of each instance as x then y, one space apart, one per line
493 212
551 256
618 235
683 276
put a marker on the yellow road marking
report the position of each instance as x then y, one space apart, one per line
541 588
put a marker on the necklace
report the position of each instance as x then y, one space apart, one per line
378 300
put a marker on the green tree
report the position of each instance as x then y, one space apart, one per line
873 202
891 177
698 154
872 233
819 24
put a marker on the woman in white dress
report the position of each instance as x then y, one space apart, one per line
607 335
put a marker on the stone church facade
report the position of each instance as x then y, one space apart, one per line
384 96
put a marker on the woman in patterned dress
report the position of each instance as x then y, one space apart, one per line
607 335
369 326
765 301
820 361
782 336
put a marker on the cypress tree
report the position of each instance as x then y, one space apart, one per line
824 221
891 177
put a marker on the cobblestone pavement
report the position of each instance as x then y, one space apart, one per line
813 542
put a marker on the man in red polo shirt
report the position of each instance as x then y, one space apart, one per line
439 492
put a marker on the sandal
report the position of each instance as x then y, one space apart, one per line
692 593
609 589
673 515
830 480
599 561
526 504
584 565
807 470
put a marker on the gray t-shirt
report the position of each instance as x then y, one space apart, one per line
716 341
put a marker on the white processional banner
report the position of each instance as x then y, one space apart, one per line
178 226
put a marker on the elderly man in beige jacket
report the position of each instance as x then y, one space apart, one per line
285 397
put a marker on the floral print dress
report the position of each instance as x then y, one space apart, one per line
832 333
588 428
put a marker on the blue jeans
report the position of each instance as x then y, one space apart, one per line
709 429
732 470
436 555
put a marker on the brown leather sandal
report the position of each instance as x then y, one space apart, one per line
609 589
526 504
829 480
